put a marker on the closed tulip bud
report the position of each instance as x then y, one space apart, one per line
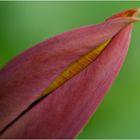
52 89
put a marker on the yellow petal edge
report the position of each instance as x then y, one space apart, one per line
74 69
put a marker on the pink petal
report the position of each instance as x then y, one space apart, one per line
67 109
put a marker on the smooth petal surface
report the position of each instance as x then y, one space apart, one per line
66 110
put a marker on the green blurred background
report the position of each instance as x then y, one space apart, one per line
23 24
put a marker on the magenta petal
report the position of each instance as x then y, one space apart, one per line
63 113
67 109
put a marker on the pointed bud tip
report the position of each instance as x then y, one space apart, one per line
130 14
136 11
133 14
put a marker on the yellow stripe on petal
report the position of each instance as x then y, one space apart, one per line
74 69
